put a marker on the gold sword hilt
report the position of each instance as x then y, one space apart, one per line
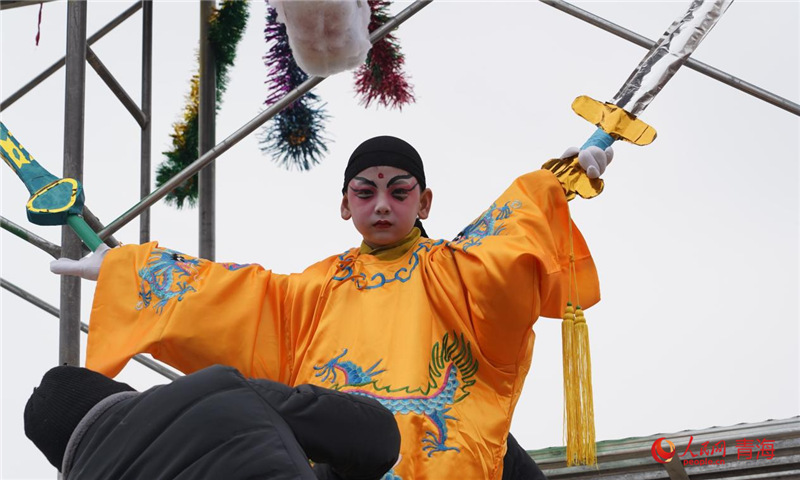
613 123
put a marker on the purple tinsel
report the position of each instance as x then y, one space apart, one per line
293 136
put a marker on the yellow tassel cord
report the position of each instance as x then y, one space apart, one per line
578 402
571 402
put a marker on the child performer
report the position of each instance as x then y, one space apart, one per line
438 332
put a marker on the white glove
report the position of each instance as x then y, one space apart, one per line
593 160
87 267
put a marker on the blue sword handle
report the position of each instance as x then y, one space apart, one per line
599 139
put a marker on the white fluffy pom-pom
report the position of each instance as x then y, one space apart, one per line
326 36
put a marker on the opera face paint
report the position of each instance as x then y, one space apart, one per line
384 203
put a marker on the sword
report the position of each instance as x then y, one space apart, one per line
617 119
53 201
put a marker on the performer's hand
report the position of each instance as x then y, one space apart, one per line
87 267
593 160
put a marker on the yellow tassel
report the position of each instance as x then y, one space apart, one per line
579 405
571 396
588 452
578 402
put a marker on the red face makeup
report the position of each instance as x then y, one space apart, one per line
384 203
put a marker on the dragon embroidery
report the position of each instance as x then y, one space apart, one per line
161 278
347 259
489 223
234 266
451 373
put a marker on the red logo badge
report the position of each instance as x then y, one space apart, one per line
658 452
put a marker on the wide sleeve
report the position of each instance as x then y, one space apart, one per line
514 263
190 313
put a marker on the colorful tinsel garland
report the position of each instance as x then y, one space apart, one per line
225 31
381 77
294 137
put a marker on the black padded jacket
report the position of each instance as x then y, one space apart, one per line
216 424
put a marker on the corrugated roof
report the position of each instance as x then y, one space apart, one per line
631 458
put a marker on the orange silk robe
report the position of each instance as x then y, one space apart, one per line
441 336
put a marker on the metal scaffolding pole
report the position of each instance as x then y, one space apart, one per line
5 4
69 333
115 87
146 106
247 129
34 300
701 67
206 135
56 66
52 249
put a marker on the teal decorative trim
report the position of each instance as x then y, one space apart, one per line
379 279
488 224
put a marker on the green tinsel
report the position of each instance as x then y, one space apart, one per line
225 30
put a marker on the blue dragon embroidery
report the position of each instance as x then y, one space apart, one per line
234 266
353 374
160 278
379 279
390 475
451 371
489 223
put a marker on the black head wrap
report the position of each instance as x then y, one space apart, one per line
385 151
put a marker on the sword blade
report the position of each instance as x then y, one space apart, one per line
669 54
618 118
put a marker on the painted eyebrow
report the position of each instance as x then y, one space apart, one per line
399 178
367 181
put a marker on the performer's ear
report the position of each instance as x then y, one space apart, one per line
345 208
425 202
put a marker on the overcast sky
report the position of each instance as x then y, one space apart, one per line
695 237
